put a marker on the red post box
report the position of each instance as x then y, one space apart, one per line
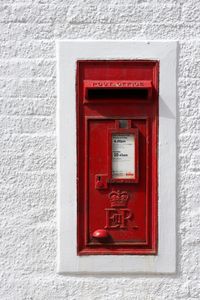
117 136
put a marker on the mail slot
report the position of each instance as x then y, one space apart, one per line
112 89
117 138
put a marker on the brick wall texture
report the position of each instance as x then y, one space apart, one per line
28 231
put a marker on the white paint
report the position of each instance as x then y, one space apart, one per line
68 52
28 143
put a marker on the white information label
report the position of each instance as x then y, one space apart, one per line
123 156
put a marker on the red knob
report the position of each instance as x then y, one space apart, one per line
100 234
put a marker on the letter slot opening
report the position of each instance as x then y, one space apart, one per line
105 94
117 90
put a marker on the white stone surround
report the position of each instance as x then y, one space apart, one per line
68 52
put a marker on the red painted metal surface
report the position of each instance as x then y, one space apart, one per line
117 215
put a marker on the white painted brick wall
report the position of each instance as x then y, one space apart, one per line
28 143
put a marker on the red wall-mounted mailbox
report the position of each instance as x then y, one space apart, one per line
117 135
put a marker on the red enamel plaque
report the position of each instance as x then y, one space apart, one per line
117 137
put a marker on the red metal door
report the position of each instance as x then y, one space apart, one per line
117 127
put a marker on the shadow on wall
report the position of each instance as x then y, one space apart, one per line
164 110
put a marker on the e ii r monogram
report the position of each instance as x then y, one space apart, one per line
118 215
117 218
